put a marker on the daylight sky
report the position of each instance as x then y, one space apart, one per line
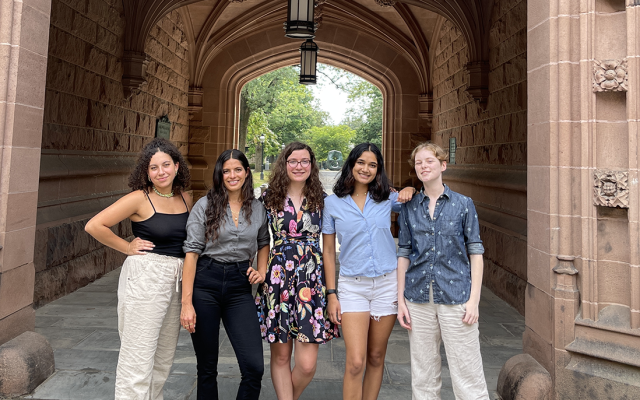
332 100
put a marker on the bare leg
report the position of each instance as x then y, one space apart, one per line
355 328
379 332
281 369
306 356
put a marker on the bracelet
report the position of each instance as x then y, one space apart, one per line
332 291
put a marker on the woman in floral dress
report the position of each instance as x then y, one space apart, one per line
292 300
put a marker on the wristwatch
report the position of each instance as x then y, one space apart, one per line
332 291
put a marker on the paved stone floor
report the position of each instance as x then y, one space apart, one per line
82 329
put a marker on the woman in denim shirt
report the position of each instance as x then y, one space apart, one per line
359 213
439 281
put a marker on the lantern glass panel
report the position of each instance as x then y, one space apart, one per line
300 22
308 61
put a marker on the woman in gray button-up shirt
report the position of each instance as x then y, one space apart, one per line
225 230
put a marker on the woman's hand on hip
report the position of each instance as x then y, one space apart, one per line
138 246
188 318
334 310
254 276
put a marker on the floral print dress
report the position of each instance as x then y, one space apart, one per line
292 300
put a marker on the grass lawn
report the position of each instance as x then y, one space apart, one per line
256 179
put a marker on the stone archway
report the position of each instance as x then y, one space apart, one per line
225 76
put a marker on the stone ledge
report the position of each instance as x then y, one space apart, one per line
615 349
523 378
90 164
25 362
500 177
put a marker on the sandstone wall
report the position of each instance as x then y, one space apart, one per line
491 140
92 134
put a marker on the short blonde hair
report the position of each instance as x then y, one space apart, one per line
434 148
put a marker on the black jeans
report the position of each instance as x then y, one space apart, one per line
222 291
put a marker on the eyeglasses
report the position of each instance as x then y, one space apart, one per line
294 163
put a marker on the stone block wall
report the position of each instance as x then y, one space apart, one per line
491 139
92 133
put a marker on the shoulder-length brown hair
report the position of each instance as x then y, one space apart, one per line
279 181
138 180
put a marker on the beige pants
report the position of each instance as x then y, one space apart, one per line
431 324
149 304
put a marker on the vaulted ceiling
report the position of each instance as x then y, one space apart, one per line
409 26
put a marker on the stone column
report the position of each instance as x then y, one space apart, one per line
24 38
583 200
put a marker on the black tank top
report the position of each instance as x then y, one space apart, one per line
166 231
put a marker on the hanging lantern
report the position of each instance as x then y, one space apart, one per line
308 61
300 23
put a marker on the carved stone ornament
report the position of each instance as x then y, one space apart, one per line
610 75
611 188
319 12
386 3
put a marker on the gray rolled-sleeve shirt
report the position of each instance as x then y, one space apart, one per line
233 244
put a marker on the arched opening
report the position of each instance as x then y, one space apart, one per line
333 116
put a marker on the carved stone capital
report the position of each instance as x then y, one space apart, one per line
610 75
386 3
426 107
611 188
478 73
195 101
319 12
134 72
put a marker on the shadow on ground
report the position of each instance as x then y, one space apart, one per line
82 329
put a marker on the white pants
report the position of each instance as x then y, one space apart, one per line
430 325
149 304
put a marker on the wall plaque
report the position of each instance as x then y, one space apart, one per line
163 128
452 150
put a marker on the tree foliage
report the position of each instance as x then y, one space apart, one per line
326 138
289 108
258 126
365 114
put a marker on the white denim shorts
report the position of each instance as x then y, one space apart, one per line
378 296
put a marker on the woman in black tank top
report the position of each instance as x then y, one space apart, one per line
149 291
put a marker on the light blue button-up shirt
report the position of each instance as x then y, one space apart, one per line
367 247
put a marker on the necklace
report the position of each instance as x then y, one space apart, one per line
161 194
235 216
364 194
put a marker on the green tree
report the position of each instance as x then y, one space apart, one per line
326 138
365 114
258 126
289 107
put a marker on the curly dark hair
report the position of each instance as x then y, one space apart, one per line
218 198
279 181
139 178
379 188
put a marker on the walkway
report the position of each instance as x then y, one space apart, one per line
82 329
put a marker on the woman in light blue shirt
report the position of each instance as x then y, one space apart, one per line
359 213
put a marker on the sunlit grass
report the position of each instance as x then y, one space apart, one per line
256 178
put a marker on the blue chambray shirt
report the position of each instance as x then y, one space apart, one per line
367 247
438 248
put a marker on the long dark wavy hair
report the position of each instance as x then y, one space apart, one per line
139 178
279 181
379 188
218 197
